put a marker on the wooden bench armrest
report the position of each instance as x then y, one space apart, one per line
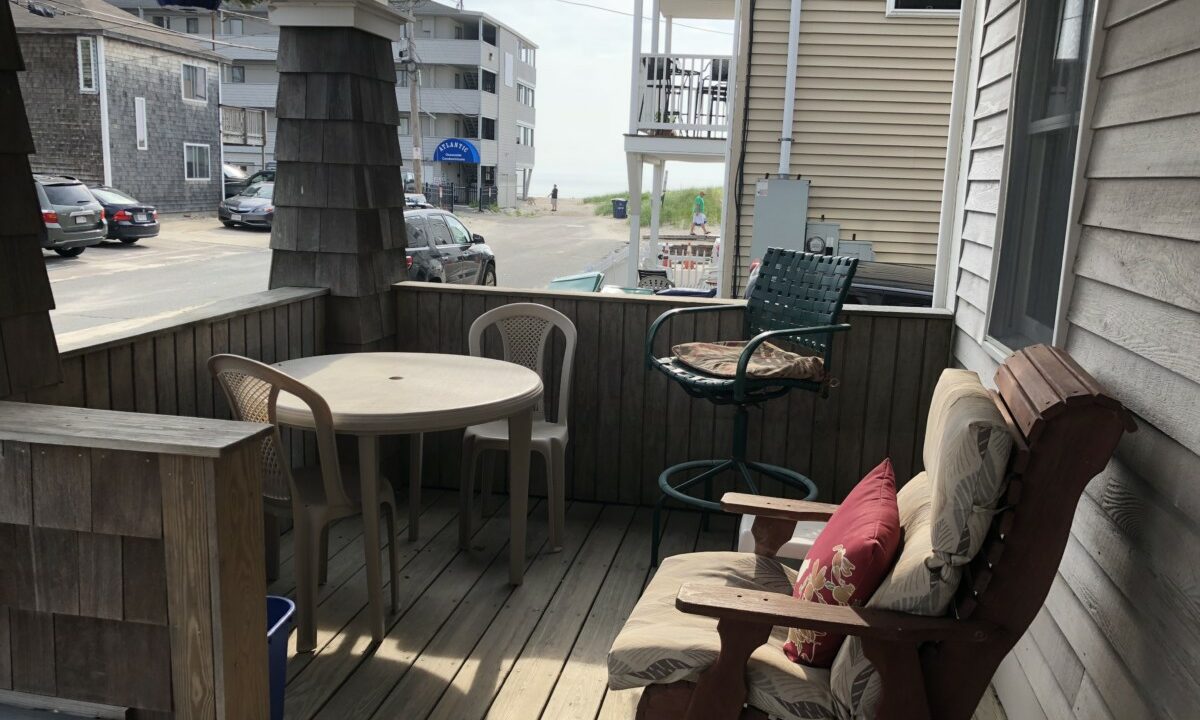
773 507
769 608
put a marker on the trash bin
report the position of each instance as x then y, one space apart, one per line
279 626
620 208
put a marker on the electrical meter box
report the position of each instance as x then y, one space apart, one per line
822 238
780 215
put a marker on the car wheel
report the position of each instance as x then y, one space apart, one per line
489 276
70 252
129 241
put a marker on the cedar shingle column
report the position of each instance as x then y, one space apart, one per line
339 191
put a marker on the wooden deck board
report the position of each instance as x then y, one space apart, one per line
467 645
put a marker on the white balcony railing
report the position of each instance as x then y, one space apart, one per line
243 126
684 95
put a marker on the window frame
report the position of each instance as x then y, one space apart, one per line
161 21
228 74
140 126
189 23
208 162
203 100
1016 162
94 56
404 125
241 26
892 11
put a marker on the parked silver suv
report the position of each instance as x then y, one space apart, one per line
74 219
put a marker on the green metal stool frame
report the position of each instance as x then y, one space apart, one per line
796 298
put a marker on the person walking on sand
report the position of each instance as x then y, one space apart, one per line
554 199
699 219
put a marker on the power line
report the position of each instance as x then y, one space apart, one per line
629 14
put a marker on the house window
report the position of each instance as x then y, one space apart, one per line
195 162
1047 104
193 26
87 64
487 129
402 127
526 54
234 26
402 79
195 83
525 135
139 122
234 73
159 20
525 95
924 8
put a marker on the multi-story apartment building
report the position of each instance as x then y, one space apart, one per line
478 85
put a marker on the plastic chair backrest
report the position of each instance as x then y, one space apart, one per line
524 330
796 289
252 389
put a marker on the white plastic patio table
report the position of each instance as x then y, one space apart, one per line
376 394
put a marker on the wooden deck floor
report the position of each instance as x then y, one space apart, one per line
465 644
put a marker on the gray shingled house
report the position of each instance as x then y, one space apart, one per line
117 101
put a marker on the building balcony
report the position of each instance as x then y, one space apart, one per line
683 96
439 51
438 101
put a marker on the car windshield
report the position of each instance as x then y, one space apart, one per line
73 194
261 190
112 197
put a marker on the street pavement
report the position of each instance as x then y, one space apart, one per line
195 262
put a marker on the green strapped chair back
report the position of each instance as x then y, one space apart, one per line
796 298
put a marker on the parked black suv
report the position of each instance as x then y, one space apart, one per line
441 249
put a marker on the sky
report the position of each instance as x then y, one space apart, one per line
582 100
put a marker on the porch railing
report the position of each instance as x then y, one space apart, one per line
243 126
628 422
684 95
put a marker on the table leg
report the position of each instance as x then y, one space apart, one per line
520 431
416 443
368 471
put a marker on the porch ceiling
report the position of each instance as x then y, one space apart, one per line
703 9
705 150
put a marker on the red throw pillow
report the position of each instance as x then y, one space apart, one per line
848 560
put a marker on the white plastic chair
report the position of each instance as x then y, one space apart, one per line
524 330
313 496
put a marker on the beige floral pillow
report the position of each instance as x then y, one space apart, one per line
768 362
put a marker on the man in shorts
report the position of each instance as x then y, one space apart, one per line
699 219
554 199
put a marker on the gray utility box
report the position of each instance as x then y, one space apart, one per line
780 215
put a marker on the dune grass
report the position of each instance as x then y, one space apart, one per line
676 207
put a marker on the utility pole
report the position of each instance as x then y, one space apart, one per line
414 115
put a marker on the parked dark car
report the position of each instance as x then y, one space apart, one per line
237 181
74 219
252 207
128 219
441 249
877 283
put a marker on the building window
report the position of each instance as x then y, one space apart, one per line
525 135
489 81
525 95
159 20
402 127
234 73
195 162
487 129
527 53
402 78
924 8
195 83
139 122
1047 104
87 64
234 26
192 26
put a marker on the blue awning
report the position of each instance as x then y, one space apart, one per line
456 150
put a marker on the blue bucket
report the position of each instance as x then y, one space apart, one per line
279 626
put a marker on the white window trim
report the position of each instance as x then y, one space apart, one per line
183 86
141 126
892 11
208 148
95 56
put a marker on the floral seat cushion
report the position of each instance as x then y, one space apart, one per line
769 362
661 645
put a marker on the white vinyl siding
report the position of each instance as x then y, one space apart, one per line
194 83
197 162
139 122
871 119
88 72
